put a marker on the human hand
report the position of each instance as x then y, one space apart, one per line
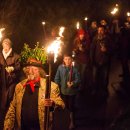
7 129
80 47
48 102
69 84
9 69
103 49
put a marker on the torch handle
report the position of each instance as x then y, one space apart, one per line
47 111
70 76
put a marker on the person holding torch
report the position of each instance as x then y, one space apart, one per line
68 78
27 108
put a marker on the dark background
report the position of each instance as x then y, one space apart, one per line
23 18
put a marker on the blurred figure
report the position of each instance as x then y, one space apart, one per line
105 25
9 69
100 61
124 52
115 35
82 49
93 30
68 78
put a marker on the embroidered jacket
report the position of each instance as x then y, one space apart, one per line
16 104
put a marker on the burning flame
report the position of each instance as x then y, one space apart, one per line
85 18
77 25
55 46
43 23
115 10
61 31
1 30
128 14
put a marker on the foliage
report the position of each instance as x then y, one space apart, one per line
36 53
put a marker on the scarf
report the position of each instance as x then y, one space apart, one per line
32 83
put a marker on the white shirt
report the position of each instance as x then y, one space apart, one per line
6 54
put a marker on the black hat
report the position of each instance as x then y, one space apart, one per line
33 62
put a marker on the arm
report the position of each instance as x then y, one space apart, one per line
55 96
10 116
76 75
57 76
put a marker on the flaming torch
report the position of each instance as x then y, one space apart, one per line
53 50
1 30
115 10
77 25
128 14
86 18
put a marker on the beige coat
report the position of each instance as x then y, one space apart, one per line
15 106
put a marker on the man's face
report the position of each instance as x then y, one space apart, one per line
67 60
100 31
6 45
94 25
32 72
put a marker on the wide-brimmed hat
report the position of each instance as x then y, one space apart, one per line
33 62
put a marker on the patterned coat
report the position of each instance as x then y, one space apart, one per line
16 104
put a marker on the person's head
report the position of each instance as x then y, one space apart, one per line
54 32
103 22
128 19
81 34
6 44
34 69
67 59
101 30
94 24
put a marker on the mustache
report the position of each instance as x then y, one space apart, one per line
31 76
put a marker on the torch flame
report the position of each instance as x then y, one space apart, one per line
85 18
61 31
114 11
77 25
43 23
128 14
55 48
1 30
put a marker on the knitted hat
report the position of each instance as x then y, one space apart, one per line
81 32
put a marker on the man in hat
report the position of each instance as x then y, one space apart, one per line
28 104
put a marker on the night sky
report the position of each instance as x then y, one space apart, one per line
22 18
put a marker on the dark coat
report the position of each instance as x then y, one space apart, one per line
82 56
8 81
97 56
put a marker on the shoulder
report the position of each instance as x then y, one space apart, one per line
54 86
16 54
20 85
61 66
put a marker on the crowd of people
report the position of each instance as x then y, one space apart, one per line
22 101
